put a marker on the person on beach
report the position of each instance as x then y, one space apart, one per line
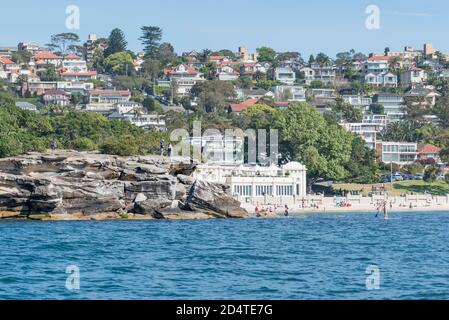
257 210
286 211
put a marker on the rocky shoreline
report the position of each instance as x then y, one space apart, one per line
70 185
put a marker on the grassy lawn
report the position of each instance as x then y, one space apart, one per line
402 187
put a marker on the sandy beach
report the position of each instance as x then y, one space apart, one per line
414 203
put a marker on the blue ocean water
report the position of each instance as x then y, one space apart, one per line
317 257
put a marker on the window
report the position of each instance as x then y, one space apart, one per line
243 190
284 190
264 191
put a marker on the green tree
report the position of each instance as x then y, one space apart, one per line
62 42
213 96
167 54
322 59
361 166
151 38
307 137
431 174
311 59
226 53
345 111
258 116
120 63
376 108
21 57
266 54
49 74
441 110
266 84
116 43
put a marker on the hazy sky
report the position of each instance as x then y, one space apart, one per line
286 25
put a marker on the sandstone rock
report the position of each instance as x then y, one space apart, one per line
214 199
187 180
140 198
151 207
86 185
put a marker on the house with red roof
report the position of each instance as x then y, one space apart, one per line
429 153
378 64
9 70
227 73
181 71
48 58
183 77
242 106
218 59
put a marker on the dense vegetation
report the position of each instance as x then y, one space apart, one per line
23 131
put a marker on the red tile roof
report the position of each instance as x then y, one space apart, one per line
72 56
55 92
45 55
6 61
189 70
216 57
428 148
239 107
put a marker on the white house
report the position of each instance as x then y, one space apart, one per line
401 153
227 73
103 101
413 76
386 79
289 93
360 102
74 63
285 75
309 74
140 119
79 76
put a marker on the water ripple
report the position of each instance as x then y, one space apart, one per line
317 257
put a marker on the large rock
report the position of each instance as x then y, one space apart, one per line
151 207
214 199
83 184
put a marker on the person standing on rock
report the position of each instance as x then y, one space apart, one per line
169 150
53 145
161 146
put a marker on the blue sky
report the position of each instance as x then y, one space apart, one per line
286 25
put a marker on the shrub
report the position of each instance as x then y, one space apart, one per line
431 174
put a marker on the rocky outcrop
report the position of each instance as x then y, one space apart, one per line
213 199
82 185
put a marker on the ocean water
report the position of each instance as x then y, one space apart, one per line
312 257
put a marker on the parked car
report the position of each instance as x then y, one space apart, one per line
407 176
398 177
418 177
